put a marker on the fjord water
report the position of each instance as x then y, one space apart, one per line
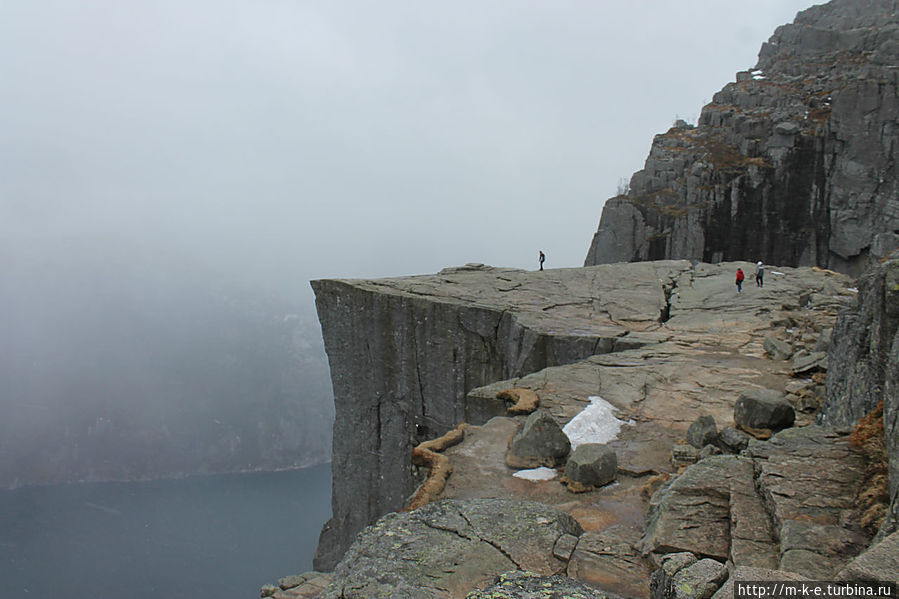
213 536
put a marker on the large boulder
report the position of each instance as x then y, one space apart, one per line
449 548
540 442
592 464
763 408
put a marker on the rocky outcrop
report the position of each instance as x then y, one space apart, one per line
444 550
793 163
864 364
405 352
788 503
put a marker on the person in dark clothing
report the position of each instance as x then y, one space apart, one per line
759 275
740 278
541 259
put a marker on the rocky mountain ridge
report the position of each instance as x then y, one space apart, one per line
794 163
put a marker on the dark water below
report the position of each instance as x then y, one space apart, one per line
218 537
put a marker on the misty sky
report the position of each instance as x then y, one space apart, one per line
282 140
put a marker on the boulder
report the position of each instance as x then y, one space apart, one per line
540 442
777 349
683 454
702 432
593 464
732 440
763 408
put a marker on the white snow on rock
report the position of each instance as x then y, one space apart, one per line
541 473
595 424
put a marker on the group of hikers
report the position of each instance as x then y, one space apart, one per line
759 277
759 273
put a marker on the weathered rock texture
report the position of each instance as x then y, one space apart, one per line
447 549
864 364
794 163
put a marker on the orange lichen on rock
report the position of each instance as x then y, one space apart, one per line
874 495
524 401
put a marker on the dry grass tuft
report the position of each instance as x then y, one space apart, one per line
874 495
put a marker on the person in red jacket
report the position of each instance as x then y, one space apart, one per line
740 278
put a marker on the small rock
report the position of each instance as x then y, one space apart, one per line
565 547
702 432
797 385
763 408
732 440
288 582
777 349
699 581
809 363
540 442
268 590
592 464
787 128
824 340
682 455
709 450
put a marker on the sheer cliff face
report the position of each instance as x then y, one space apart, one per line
864 363
404 353
793 164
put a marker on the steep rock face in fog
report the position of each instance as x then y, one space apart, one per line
793 164
404 352
864 361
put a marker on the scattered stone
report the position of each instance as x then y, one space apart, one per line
540 442
268 590
288 582
702 432
797 385
709 450
527 585
732 440
565 547
763 408
683 454
700 580
812 362
823 342
592 464
777 349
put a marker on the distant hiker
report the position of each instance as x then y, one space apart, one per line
541 259
740 278
759 275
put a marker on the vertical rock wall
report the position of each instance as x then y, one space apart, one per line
792 164
864 362
401 365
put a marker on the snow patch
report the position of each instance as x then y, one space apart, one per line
594 424
852 289
542 473
777 272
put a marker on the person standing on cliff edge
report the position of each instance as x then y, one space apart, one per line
541 259
759 275
739 281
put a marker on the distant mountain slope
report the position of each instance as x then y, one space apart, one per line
121 363
793 164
